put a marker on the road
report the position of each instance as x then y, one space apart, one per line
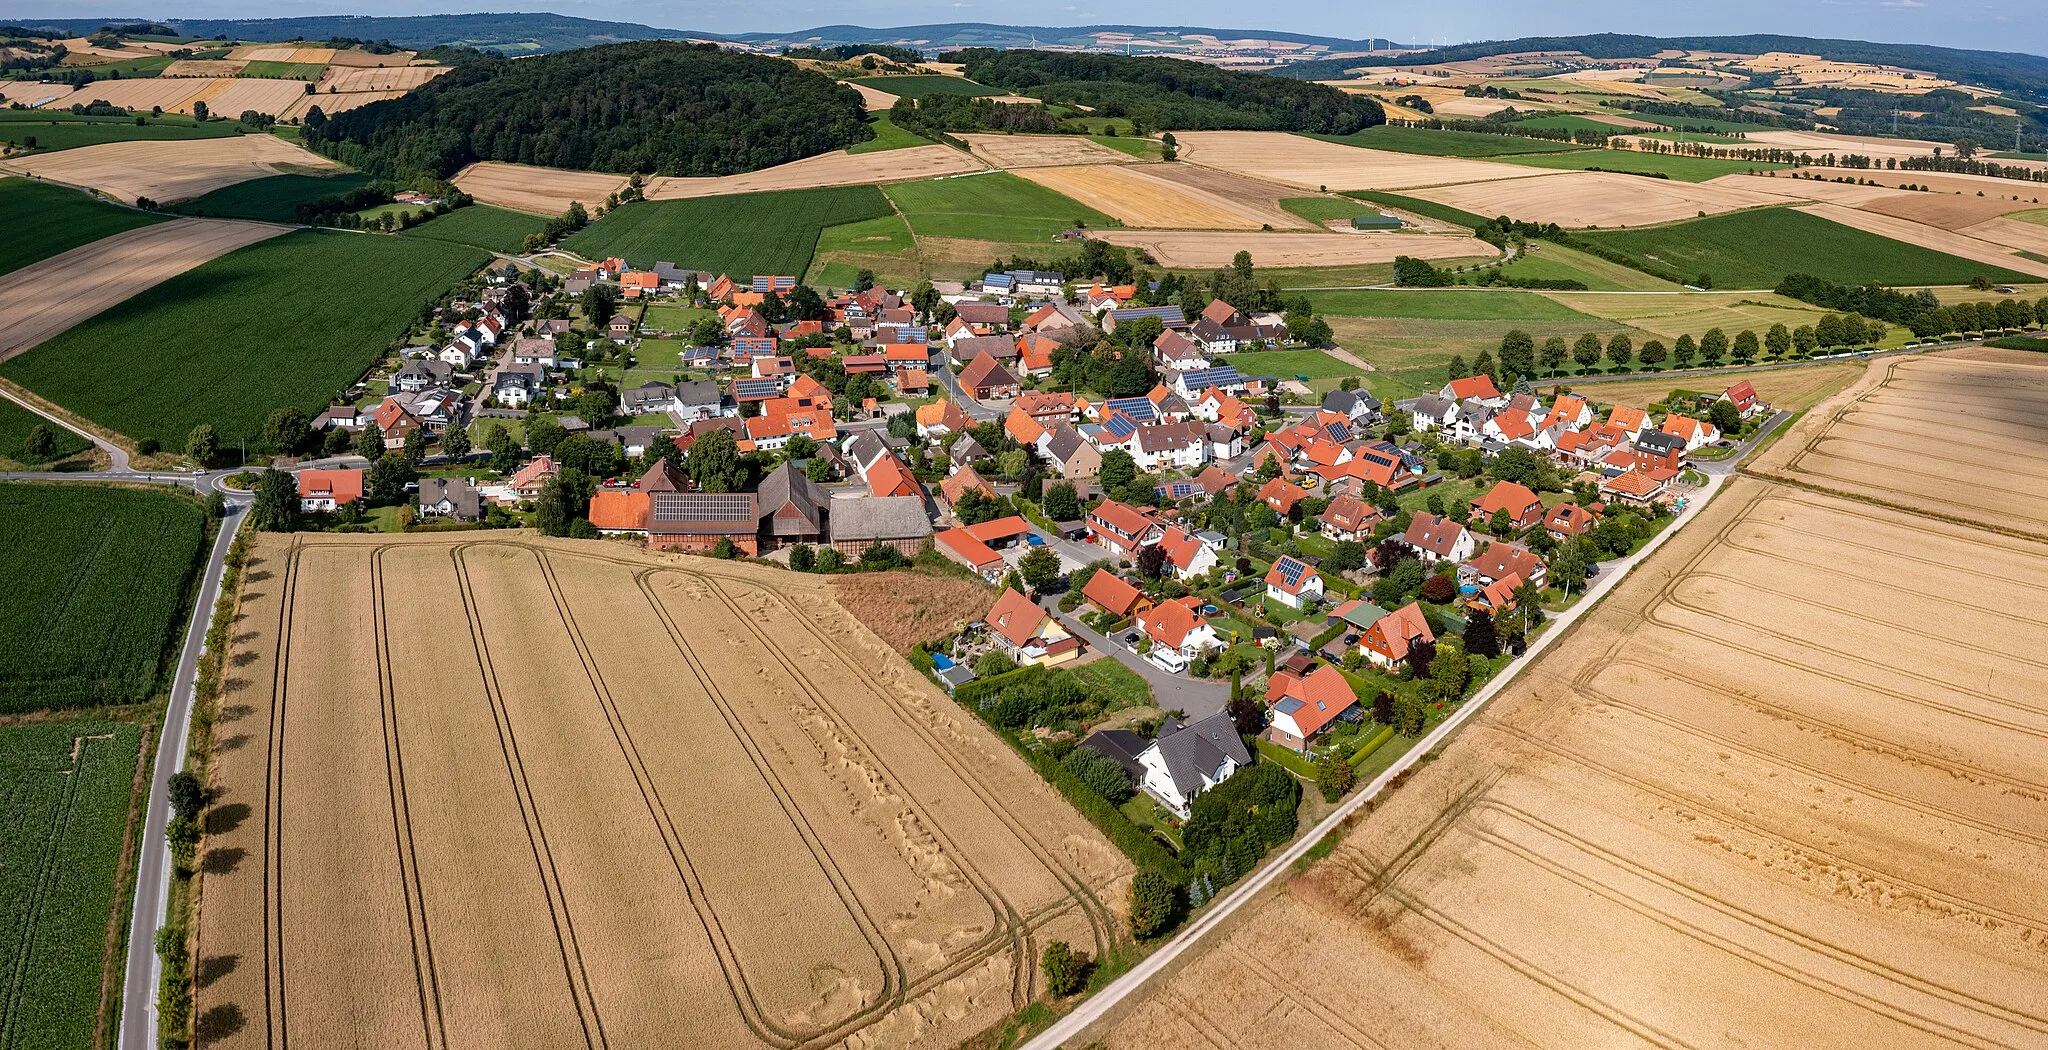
1192 697
975 410
117 455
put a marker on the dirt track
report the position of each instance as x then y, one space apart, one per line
597 797
173 170
1786 791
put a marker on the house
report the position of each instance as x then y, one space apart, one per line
1069 451
526 482
452 498
619 512
961 482
1169 316
1437 538
1028 633
985 378
1186 760
964 547
1695 433
698 521
395 422
1390 638
1187 553
1502 560
965 349
1524 508
1496 597
1478 388
1358 406
420 373
1634 486
701 399
1282 495
620 328
1743 396
1115 595
1567 520
888 478
1294 583
1023 429
1630 421
983 318
1302 706
792 508
1348 518
1034 355
1121 527
1571 412
329 489
1170 446
1177 353
338 417
517 387
1191 384
896 521
647 398
1048 409
1179 633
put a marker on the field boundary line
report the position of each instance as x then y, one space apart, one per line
127 887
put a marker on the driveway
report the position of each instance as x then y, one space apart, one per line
1197 699
1734 459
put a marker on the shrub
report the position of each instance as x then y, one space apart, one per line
1065 969
1101 773
1334 776
1155 903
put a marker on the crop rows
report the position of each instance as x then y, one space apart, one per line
39 220
741 234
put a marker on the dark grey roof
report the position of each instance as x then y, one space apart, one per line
865 448
879 518
967 449
1659 441
1346 401
788 486
1435 406
699 392
459 493
1065 442
1122 745
1197 750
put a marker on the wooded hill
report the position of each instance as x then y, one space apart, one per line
650 107
1171 93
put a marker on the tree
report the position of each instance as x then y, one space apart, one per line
1154 904
416 446
1725 416
600 303
1483 365
1684 351
1100 772
1152 561
188 796
803 557
1554 354
1587 350
1480 638
202 444
1714 346
1568 564
1439 589
1334 776
1517 355
880 556
286 429
1746 347
1169 147
1449 671
39 445
455 442
199 112
369 442
830 560
1344 556
715 465
389 476
1040 567
336 443
1065 969
555 509
542 435
1653 353
1061 503
503 446
1778 341
724 550
1457 369
277 502
1118 468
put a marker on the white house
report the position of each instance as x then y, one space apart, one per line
1436 538
1185 761
1179 634
1294 583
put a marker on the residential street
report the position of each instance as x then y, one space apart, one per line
975 410
1197 699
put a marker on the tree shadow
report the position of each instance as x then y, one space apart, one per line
232 743
215 967
243 658
234 713
222 819
258 576
223 860
219 1023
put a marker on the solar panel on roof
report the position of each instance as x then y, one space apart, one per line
1138 408
703 506
1290 571
1121 425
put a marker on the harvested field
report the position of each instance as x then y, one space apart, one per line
1792 389
1296 160
1596 198
47 298
32 93
1944 210
283 53
1790 784
271 97
338 103
838 168
1040 151
1962 246
1821 142
1247 195
2012 233
172 93
1844 193
1672 314
379 78
1202 249
874 98
804 843
905 608
364 58
203 67
172 170
540 191
1136 199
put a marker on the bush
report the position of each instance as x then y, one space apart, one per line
1100 772
1066 970
1439 589
1231 825
1155 903
1335 777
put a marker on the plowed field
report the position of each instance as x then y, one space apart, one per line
531 793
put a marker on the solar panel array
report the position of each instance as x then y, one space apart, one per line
1138 408
1120 424
1290 571
755 388
716 507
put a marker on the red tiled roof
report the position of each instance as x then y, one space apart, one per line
1391 634
342 484
1324 694
619 509
1112 592
1015 618
1479 386
971 550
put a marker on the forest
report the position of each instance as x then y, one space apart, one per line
1170 93
650 107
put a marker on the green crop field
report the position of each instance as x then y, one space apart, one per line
65 797
1569 122
887 137
15 424
883 245
742 234
1555 262
1756 249
1442 305
38 220
285 70
129 67
1320 210
920 86
1684 169
96 580
1428 143
482 226
57 129
1286 364
1143 149
273 199
1426 209
995 207
290 321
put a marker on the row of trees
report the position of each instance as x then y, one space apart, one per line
1521 358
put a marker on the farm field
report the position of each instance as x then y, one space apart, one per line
273 199
920 86
1428 143
1672 314
1204 249
481 226
1755 249
1791 389
48 297
285 322
1994 260
1757 791
1596 199
536 191
995 207
56 130
1444 305
887 137
1546 261
1136 198
40 221
884 245
168 172
840 168
806 843
1412 352
1143 149
284 70
1314 164
1678 168
746 234
96 580
63 821
1040 151
15 424
1321 210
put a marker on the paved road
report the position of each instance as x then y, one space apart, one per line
1742 451
115 453
975 410
1196 698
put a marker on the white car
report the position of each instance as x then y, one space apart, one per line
1167 660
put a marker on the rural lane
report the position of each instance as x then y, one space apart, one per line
1096 1007
117 455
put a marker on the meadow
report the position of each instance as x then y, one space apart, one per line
39 220
1571 122
1424 208
1287 364
1756 249
883 245
63 825
1546 261
995 207
920 86
1475 305
1143 149
285 70
1428 143
96 581
481 226
1633 162
56 129
290 321
887 137
741 234
273 199
15 424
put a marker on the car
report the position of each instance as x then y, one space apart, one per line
1130 641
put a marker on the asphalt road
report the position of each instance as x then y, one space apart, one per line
975 410
1191 696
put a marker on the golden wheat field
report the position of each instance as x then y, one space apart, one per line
1785 787
172 170
532 793
1040 151
1135 198
1292 160
1203 248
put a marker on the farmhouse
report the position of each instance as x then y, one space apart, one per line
451 498
985 378
963 547
894 521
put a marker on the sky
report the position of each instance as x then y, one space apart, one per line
1996 25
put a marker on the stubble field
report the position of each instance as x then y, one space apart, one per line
1137 199
1785 787
535 793
1200 248
170 171
1596 198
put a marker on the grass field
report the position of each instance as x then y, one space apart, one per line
1476 305
290 321
1424 208
273 199
673 318
887 137
1684 169
995 207
284 70
1428 143
96 581
15 424
1570 122
64 815
1546 261
55 130
1755 249
130 67
1320 210
742 235
884 245
1143 149
920 86
481 226
38 220
1286 364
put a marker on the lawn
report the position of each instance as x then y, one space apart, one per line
15 424
883 245
998 206
673 318
920 86
482 226
887 136
1117 686
284 70
1756 249
38 220
1429 143
742 234
1442 305
1141 148
1684 169
289 321
63 826
273 199
1286 364
1320 210
1546 261
56 129
96 580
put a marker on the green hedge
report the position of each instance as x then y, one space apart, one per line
1367 749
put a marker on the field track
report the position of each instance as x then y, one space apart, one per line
942 880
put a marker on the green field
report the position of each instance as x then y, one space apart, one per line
482 226
1441 305
96 581
272 199
1700 122
1286 364
285 70
38 220
129 67
883 245
995 207
2010 155
1320 210
1568 122
289 321
57 129
1428 143
1546 261
1756 249
887 137
1143 149
15 424
920 86
65 796
742 235
1426 209
1684 169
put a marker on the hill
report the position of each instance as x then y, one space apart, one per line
510 33
652 107
949 35
1171 93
